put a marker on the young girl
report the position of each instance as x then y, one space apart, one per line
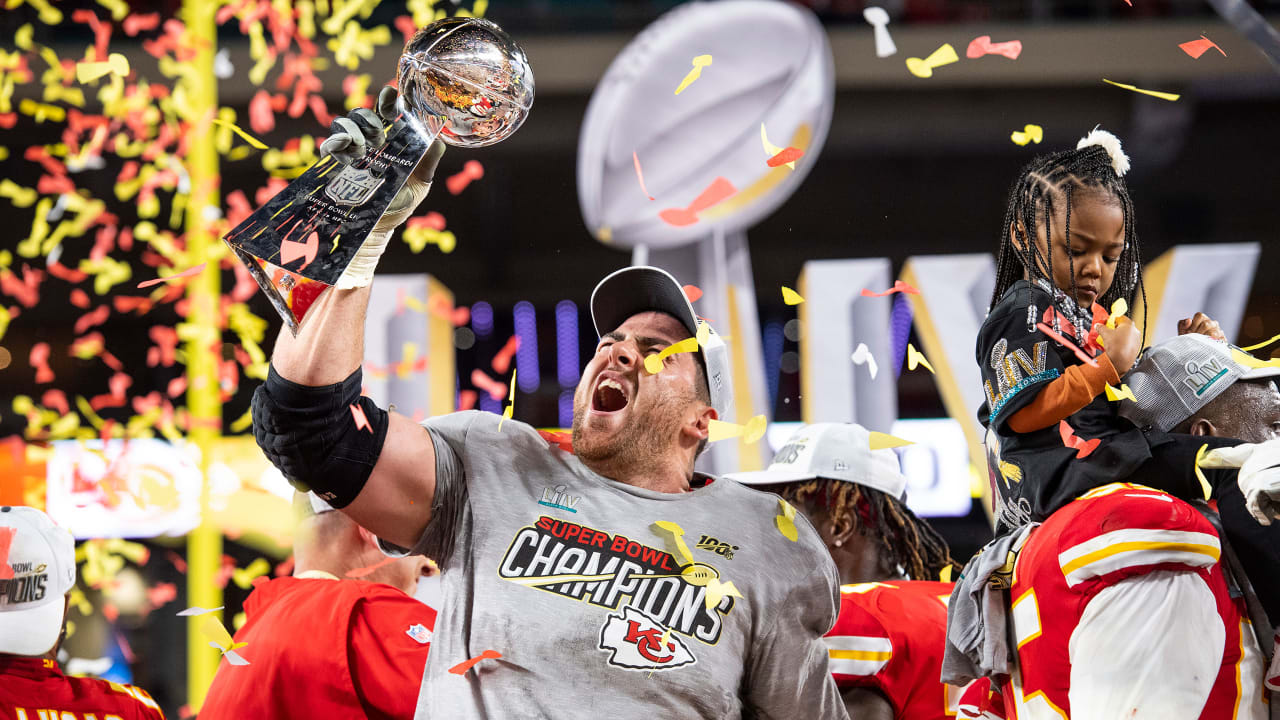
1068 252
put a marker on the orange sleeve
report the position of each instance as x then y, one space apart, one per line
1065 396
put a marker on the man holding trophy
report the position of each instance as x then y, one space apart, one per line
564 572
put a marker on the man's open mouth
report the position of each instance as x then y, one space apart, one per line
609 396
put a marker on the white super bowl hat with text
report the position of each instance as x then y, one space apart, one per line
836 451
36 574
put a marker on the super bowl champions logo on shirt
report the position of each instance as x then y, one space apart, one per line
654 601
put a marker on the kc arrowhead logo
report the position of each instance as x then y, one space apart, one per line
639 642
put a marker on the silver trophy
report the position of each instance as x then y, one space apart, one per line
461 79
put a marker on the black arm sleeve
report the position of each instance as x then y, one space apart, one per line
311 434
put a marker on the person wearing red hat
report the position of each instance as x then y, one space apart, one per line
37 571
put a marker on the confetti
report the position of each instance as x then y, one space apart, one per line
878 18
366 571
1082 447
1204 482
255 142
471 170
770 150
786 157
791 297
694 293
750 433
785 520
1196 48
1123 393
1262 344
6 541
944 55
653 364
982 45
115 64
361 420
1118 310
675 537
1084 357
640 174
717 591
502 359
291 250
244 577
510 409
881 441
1028 134
717 192
189 272
496 390
462 667
39 360
898 287
197 610
699 62
1171 97
862 356
944 575
915 358
221 639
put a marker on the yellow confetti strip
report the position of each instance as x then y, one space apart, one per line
246 136
751 432
915 358
699 62
511 402
880 441
675 540
717 591
1118 310
115 64
944 55
1250 361
785 520
1115 395
770 149
218 635
653 364
944 575
1171 97
244 577
1262 344
1028 134
791 297
1204 482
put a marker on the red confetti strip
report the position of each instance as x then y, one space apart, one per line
898 286
462 667
117 384
27 290
472 170
640 174
502 360
786 155
137 23
291 250
6 541
693 292
496 390
56 400
982 45
1066 343
92 319
466 399
79 298
162 594
718 191
563 440
1082 447
39 360
362 420
366 571
190 272
1196 48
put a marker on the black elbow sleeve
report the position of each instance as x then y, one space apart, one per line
315 437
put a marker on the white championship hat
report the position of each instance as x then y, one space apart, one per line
37 573
836 451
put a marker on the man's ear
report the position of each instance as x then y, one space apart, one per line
700 425
1015 237
1203 427
369 538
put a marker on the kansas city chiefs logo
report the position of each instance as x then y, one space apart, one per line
639 642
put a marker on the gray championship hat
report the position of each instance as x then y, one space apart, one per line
836 451
1177 377
642 288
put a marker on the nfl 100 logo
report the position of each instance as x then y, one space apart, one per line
352 186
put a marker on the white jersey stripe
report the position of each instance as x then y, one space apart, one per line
1133 547
858 654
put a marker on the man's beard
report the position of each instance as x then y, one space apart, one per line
648 433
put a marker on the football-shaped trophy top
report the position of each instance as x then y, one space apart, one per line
467 79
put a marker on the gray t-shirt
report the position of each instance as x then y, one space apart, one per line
565 573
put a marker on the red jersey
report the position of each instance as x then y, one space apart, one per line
890 636
325 648
33 688
1115 532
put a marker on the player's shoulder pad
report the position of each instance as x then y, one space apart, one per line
1126 528
150 708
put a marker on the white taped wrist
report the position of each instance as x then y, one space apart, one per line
359 272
